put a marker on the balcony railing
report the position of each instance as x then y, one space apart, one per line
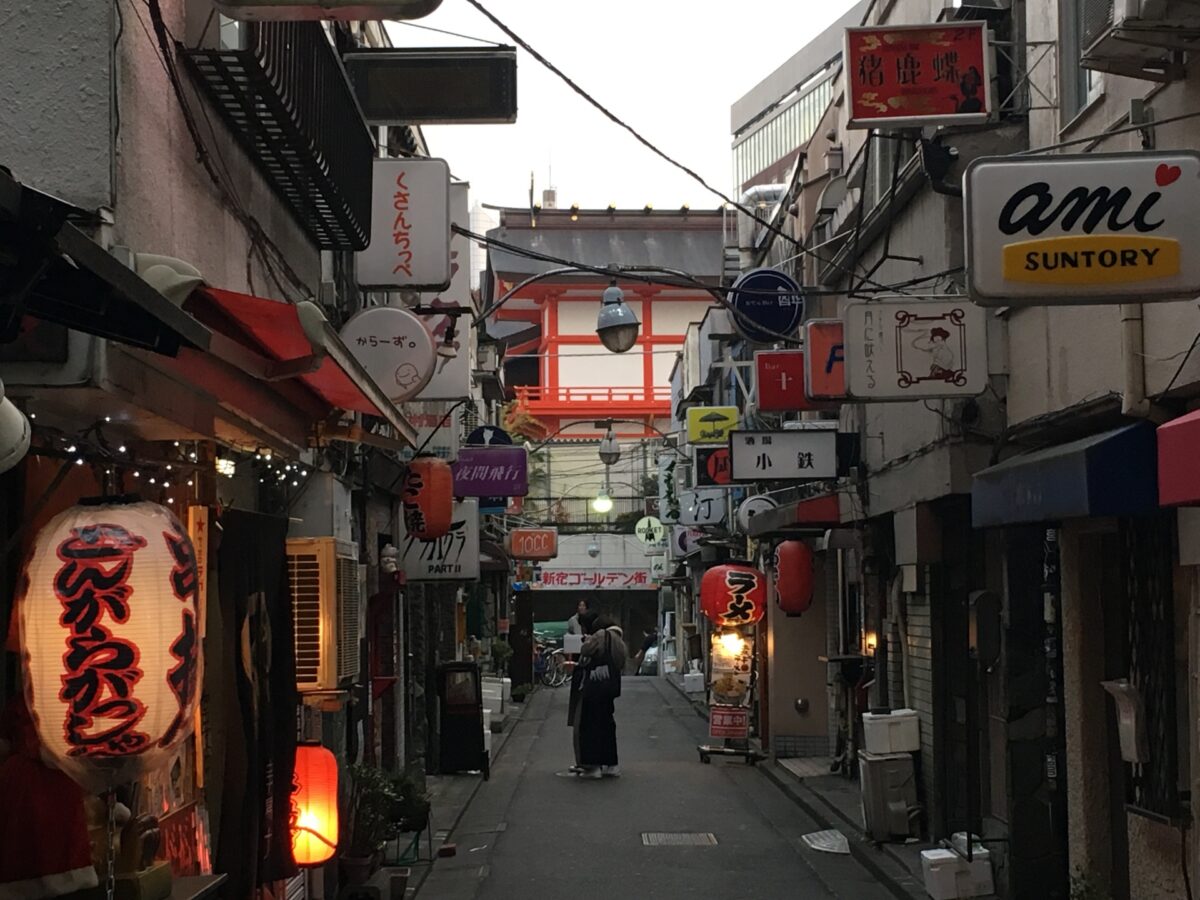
536 396
284 95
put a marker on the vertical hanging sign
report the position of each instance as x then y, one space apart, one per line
410 226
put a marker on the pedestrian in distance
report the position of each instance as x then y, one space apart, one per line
587 624
573 623
601 666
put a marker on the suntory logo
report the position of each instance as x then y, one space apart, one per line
1108 233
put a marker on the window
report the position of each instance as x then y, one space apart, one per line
1080 86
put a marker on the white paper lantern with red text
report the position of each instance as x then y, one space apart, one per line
110 639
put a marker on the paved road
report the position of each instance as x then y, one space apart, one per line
533 832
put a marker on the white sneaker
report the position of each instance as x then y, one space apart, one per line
591 772
610 771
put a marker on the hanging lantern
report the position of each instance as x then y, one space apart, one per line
428 498
793 564
110 640
314 805
733 595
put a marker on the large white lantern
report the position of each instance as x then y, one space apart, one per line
110 639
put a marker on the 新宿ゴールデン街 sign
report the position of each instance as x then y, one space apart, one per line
1092 228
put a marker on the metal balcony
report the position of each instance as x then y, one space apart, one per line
601 401
285 96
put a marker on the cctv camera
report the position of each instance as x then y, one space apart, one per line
14 433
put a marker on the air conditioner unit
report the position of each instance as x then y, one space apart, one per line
326 589
1139 38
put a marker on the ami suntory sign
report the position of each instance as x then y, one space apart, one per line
1093 228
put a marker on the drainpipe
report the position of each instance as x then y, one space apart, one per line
1133 382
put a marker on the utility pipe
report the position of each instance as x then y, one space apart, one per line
1133 358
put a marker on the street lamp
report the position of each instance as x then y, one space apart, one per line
616 325
602 503
610 450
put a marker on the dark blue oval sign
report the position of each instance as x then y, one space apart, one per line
768 304
489 436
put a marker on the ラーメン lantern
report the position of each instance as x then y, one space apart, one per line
793 564
733 595
314 805
109 636
427 499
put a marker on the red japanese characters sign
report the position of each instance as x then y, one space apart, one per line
780 375
110 639
728 722
918 74
596 580
733 595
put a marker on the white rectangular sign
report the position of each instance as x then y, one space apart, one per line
454 557
452 376
703 507
683 542
1090 228
915 348
624 579
437 428
800 455
410 226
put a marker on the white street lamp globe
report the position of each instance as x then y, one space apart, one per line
593 549
616 326
610 450
602 503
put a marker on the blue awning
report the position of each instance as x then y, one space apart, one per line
1110 474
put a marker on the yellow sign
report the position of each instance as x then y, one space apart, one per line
1091 259
711 424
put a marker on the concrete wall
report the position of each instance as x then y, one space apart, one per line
165 202
55 78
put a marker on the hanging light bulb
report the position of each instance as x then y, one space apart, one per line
616 325
610 450
602 502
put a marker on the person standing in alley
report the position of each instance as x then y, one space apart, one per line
587 624
601 665
573 624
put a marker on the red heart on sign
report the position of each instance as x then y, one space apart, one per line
1165 174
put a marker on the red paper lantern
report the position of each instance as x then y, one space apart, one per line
110 640
793 564
733 595
428 498
314 805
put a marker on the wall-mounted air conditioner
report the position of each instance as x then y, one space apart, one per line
326 605
345 10
1139 38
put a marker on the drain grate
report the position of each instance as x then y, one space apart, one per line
679 839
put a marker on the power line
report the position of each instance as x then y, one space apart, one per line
465 37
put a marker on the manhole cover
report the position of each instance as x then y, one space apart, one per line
679 839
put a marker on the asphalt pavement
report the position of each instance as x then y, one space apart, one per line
536 830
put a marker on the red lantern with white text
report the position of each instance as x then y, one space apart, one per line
427 499
793 565
314 805
733 595
110 639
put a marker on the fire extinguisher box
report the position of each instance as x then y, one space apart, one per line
896 732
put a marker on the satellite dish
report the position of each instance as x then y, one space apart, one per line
751 507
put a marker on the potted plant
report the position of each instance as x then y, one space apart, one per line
369 824
502 652
410 809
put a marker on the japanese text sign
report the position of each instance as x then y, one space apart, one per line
1093 228
711 424
728 722
711 466
918 74
437 428
780 378
532 543
668 498
491 472
703 507
800 455
596 580
394 347
825 363
454 557
915 348
410 226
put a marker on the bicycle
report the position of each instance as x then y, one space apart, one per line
555 673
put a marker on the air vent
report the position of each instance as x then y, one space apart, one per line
348 613
304 574
323 574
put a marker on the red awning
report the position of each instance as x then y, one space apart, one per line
1178 451
273 328
811 514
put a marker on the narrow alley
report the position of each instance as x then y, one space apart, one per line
534 829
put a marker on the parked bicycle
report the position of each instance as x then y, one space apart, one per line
550 663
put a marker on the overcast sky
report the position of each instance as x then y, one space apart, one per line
670 68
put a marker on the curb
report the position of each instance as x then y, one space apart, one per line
511 723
